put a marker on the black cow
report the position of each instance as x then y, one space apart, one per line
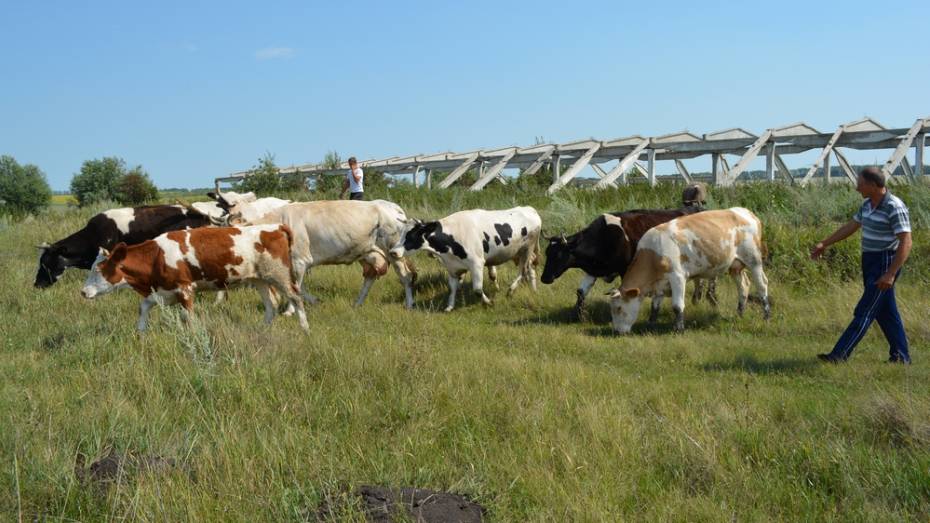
129 225
605 248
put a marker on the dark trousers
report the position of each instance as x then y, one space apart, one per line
356 196
878 305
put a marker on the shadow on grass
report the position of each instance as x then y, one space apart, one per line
665 326
751 364
596 313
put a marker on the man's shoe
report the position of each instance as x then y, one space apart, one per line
827 358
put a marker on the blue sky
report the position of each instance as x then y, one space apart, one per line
195 90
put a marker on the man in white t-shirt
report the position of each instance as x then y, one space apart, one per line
353 182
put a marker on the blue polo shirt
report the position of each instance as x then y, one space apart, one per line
881 225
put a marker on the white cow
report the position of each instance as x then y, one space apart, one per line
245 207
341 232
468 241
702 245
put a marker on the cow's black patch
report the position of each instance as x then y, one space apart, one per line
432 233
485 243
497 240
523 231
505 231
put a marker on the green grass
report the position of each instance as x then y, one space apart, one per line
534 416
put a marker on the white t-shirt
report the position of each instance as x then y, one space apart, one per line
353 185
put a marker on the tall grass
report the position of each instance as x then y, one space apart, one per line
533 415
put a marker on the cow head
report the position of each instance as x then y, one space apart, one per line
53 260
228 200
106 275
414 237
559 254
624 308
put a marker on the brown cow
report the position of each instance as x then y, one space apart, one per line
172 266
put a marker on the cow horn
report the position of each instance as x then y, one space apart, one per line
562 238
43 246
234 218
222 221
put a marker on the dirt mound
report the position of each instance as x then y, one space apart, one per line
385 505
116 467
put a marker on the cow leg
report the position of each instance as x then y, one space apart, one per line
147 303
407 278
654 308
292 295
454 282
761 285
583 289
492 275
531 272
477 282
516 282
220 297
185 296
265 292
698 291
742 290
299 270
677 283
712 291
366 286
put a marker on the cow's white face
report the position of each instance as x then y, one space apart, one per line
97 282
624 309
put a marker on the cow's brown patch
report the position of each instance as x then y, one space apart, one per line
215 251
277 243
645 270
179 237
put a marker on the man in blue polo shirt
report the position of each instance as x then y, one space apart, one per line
886 243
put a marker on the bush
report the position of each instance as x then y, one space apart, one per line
98 180
263 179
23 189
135 188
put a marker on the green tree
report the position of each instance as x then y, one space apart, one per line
23 188
98 180
135 188
329 182
263 179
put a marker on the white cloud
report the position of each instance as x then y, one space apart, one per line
272 53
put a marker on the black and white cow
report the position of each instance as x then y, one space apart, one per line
605 248
130 225
469 241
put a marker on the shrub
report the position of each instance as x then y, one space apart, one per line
263 179
23 188
98 180
135 188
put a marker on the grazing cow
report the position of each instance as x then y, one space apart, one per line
176 264
341 232
605 248
128 225
245 207
470 240
701 245
694 195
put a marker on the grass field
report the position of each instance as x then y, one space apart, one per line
529 413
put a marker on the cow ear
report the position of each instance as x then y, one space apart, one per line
213 195
119 252
430 227
630 293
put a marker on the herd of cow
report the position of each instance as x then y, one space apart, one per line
168 252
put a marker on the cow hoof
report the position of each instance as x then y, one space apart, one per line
447 309
679 327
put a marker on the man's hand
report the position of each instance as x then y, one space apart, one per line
886 281
818 250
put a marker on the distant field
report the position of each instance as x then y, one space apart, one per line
525 411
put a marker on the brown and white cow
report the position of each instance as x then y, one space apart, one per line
174 265
702 245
